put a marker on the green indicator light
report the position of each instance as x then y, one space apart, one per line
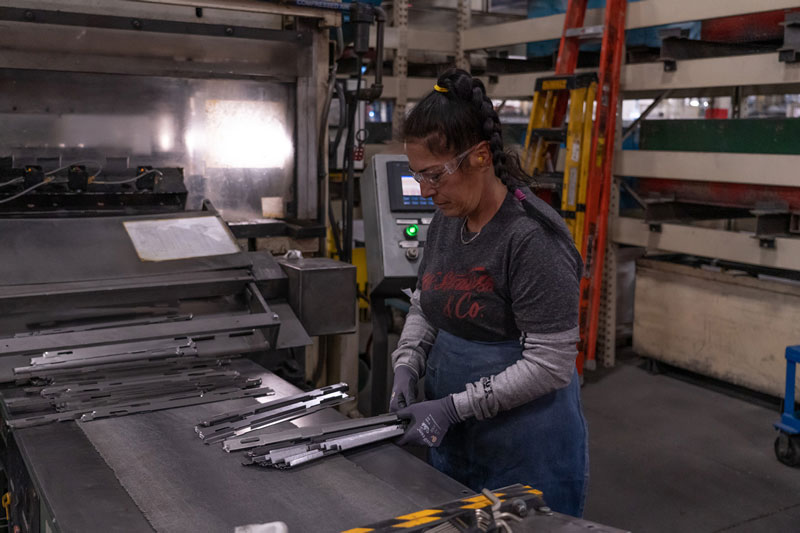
411 231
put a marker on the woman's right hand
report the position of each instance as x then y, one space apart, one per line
404 389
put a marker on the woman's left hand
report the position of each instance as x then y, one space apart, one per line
429 421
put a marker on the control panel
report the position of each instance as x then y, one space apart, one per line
396 220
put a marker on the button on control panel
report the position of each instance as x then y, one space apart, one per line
411 231
414 201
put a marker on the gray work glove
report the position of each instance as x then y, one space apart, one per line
429 421
404 389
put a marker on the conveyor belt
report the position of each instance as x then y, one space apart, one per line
179 484
55 454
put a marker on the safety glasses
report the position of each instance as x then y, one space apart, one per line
433 176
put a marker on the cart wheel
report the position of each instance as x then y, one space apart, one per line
787 449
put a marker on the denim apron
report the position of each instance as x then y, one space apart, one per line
542 443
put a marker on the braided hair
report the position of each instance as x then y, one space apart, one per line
459 115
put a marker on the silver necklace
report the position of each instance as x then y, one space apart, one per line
464 240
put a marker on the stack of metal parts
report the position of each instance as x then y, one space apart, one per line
294 447
229 427
115 380
285 449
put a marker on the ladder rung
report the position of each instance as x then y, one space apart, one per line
549 180
585 33
565 82
551 134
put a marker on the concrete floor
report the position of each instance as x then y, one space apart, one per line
671 455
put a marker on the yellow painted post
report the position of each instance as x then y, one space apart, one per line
572 162
583 184
527 155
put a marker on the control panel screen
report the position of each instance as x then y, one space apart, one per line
405 193
410 186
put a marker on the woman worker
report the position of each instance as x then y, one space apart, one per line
493 323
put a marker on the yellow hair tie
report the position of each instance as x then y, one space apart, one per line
439 89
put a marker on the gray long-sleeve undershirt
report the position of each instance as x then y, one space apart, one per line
547 364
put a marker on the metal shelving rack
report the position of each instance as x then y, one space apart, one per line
758 72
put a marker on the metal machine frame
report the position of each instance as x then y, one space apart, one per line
211 41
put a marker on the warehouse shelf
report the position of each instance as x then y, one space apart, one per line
758 69
640 15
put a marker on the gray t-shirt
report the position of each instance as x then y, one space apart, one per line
514 276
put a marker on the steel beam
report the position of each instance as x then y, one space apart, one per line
329 18
77 49
657 212
675 49
151 10
145 24
427 40
632 127
754 69
704 242
753 169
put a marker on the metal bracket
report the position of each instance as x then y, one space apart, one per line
295 447
243 421
767 243
115 353
170 402
143 406
790 52
676 46
304 433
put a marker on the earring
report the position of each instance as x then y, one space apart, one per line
480 158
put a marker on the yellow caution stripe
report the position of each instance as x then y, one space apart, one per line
417 522
446 511
419 514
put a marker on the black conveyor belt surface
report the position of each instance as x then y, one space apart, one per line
180 484
75 483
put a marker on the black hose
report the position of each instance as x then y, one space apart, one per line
322 163
347 245
337 241
341 95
